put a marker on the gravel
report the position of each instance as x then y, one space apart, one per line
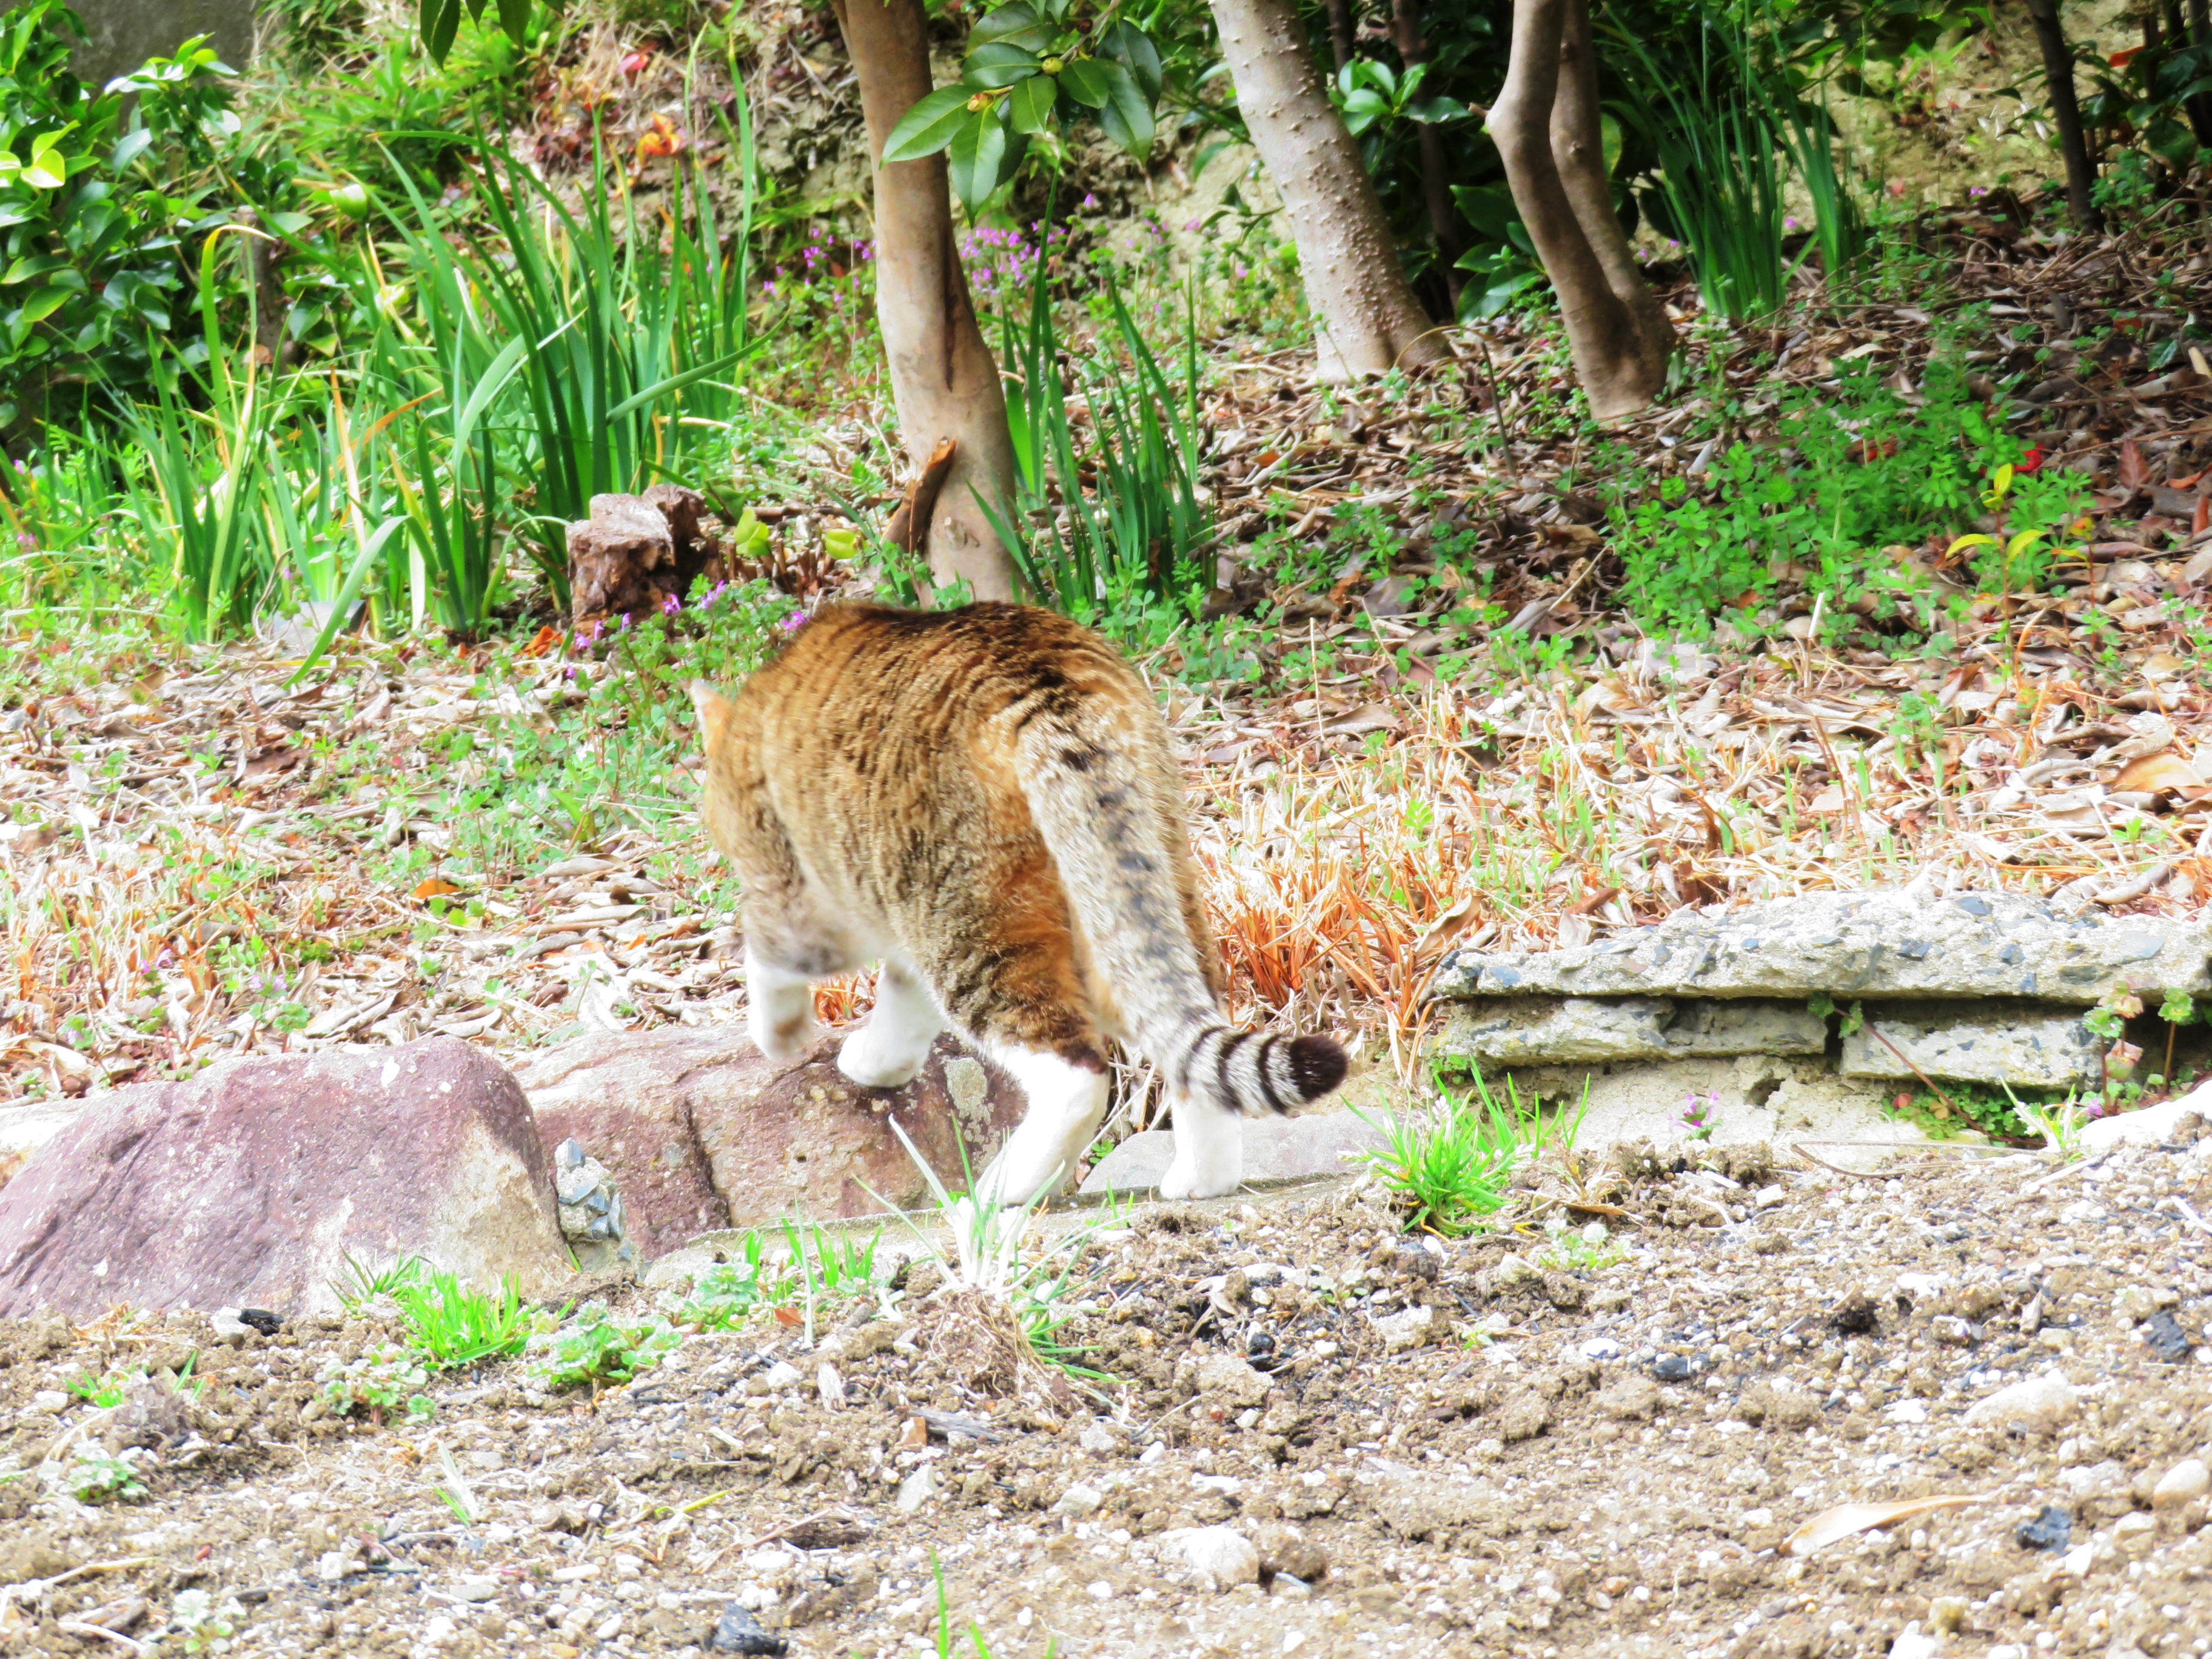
1273 1468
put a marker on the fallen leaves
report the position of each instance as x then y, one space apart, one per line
1830 1525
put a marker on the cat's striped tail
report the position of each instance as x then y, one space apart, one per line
1105 806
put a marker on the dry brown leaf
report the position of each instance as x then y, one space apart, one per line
2162 772
1826 1527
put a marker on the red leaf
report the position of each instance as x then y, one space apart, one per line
2031 462
2201 519
2135 471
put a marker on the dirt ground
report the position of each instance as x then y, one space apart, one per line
1520 1442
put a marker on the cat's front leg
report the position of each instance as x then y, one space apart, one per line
887 1051
780 1008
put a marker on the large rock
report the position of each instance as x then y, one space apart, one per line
1859 945
1554 1030
2031 1047
813 1143
699 1131
249 1185
627 1098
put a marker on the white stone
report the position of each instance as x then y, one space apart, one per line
1412 1328
780 1376
2184 1484
2041 1402
474 1587
917 1489
1078 1500
1236 1383
2150 1125
1914 1644
1221 1556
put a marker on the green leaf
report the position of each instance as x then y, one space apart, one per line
514 18
1083 80
1431 110
1007 19
43 304
929 126
46 170
1030 103
1127 115
1131 46
978 153
128 148
996 64
438 20
30 265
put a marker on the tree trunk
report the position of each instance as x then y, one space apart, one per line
2066 113
1436 170
1365 317
944 382
1342 30
2200 104
1546 126
1578 152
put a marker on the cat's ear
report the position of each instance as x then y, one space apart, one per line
713 713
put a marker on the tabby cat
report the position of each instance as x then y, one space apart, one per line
987 800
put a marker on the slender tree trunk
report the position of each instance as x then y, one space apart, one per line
2200 105
1342 30
1546 126
1436 170
944 381
2066 113
1366 319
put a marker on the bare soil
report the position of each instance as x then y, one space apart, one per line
1552 1459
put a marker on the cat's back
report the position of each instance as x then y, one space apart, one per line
861 683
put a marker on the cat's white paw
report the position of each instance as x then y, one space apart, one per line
788 1039
1185 1178
863 1058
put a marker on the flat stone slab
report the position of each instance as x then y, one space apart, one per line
1858 945
1275 1149
1554 1030
2042 1049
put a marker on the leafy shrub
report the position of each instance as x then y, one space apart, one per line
95 201
597 1347
1851 471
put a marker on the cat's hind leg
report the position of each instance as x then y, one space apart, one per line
1003 965
887 1051
1067 1101
1209 1150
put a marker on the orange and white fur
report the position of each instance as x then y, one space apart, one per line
986 801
